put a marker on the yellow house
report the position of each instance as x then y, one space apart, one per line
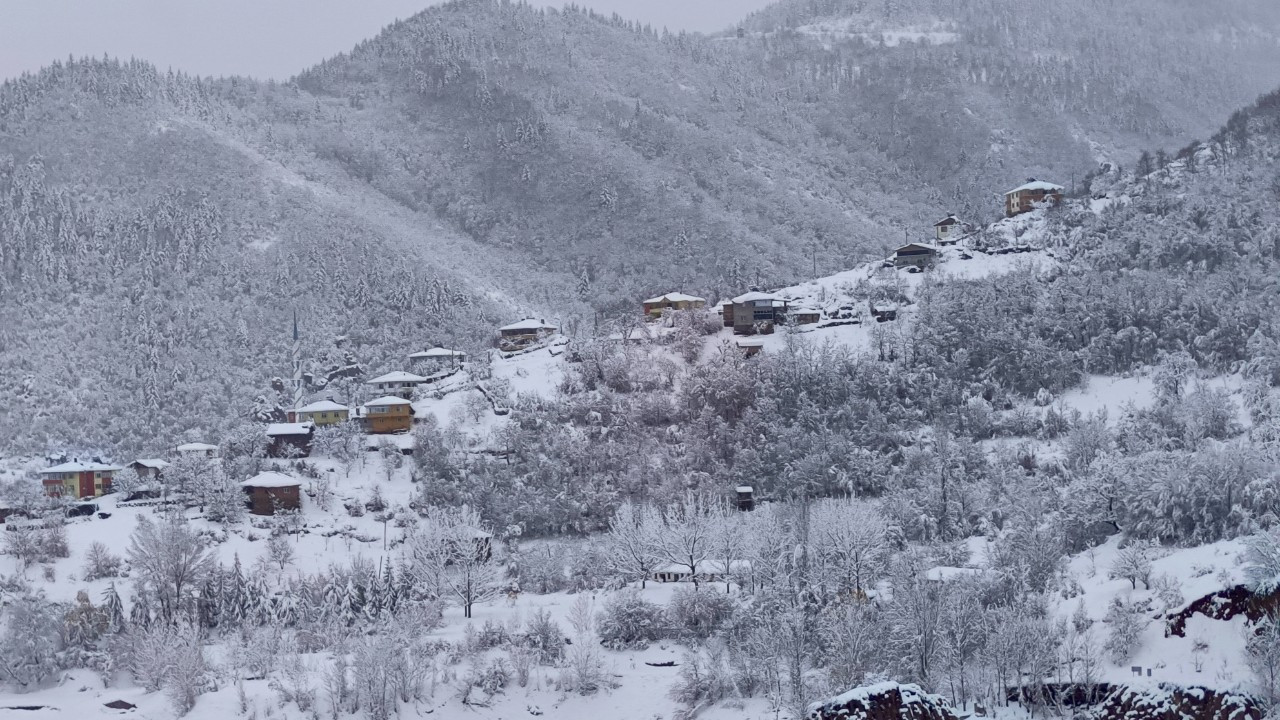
654 307
324 412
78 479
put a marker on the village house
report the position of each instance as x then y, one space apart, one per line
387 415
755 312
438 358
884 311
1026 197
270 491
324 412
520 335
290 440
198 448
149 469
803 315
399 383
654 307
919 255
77 479
708 571
950 229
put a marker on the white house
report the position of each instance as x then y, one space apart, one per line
401 383
198 448
438 357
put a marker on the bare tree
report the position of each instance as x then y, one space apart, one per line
631 546
687 534
171 558
851 543
450 553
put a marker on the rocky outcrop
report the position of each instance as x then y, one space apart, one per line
1172 702
884 701
1224 605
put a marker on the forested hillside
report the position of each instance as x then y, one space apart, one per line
485 160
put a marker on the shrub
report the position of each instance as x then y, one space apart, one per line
698 613
629 621
100 563
544 637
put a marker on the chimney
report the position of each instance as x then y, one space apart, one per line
1031 180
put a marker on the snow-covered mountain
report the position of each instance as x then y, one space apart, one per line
484 161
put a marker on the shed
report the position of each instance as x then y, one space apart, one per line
746 497
198 448
271 490
751 347
884 311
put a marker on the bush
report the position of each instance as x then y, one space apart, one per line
100 563
629 621
698 613
544 637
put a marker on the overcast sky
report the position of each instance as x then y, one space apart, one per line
260 38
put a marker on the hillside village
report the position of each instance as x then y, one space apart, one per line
445 370
335 479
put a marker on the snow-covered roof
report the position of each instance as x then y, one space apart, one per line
196 447
804 310
754 342
302 428
77 466
322 406
271 480
398 376
674 297
948 220
744 489
437 352
528 324
152 463
754 296
885 307
388 400
1036 185
926 246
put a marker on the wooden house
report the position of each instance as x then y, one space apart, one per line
654 307
724 309
149 469
290 440
77 479
520 335
746 498
387 415
199 449
751 348
756 312
919 255
950 229
324 412
397 383
269 491
1027 197
438 358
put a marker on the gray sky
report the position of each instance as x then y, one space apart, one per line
260 38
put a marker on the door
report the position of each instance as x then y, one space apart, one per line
86 484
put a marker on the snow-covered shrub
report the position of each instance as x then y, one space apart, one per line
1126 622
1262 653
629 621
544 637
493 634
1262 562
698 613
703 679
542 570
100 562
494 677
1132 564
